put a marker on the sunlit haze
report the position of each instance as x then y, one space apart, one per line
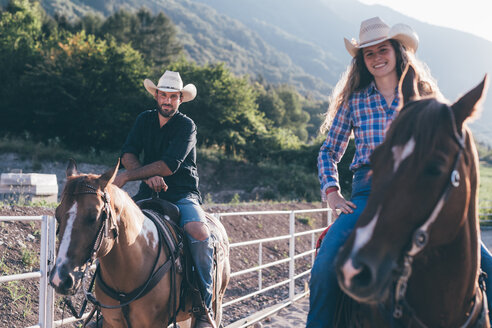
471 16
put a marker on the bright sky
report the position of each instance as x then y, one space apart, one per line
473 16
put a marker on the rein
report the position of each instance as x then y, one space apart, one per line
421 237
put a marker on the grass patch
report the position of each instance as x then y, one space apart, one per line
306 220
485 191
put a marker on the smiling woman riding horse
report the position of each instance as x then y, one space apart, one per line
141 268
414 254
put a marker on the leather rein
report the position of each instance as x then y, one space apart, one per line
420 239
109 224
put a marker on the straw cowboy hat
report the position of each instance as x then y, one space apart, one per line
375 30
171 82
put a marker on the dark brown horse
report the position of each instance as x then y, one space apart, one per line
98 220
414 254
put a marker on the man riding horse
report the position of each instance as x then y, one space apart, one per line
167 139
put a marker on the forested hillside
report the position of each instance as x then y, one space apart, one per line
301 42
73 70
78 84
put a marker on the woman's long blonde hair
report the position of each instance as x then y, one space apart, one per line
356 77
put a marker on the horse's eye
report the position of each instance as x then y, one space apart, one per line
434 169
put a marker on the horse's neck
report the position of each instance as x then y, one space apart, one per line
127 253
130 217
439 277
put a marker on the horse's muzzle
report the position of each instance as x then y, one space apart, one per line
363 280
65 281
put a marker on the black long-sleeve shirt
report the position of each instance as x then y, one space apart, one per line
175 144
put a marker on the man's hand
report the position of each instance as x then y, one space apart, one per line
120 180
337 202
156 183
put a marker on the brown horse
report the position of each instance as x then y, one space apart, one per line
98 220
414 254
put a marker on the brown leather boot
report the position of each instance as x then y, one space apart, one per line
205 320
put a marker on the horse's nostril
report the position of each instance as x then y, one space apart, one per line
67 283
62 280
364 277
357 274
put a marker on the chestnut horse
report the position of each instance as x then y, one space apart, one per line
414 255
98 220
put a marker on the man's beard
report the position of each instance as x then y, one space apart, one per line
167 112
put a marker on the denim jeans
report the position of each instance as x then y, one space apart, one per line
323 285
486 265
201 250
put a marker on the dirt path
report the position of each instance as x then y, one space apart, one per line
296 314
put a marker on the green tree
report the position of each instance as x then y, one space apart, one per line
270 104
316 111
20 45
153 35
295 117
224 109
87 92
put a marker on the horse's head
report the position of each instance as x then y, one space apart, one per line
424 179
86 225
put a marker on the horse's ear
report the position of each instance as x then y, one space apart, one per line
71 168
469 104
407 87
109 176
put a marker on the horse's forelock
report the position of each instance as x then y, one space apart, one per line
420 121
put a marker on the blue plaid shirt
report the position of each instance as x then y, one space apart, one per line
368 116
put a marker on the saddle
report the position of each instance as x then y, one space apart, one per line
168 212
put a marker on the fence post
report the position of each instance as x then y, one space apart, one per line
260 263
325 215
329 219
50 292
43 268
292 253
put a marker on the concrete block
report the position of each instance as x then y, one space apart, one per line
29 186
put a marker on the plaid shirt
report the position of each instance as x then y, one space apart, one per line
368 116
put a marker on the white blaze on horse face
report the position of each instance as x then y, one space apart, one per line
362 237
402 152
149 232
65 243
364 234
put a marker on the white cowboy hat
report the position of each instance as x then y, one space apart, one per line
375 30
171 82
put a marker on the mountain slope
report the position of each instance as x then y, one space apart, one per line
301 43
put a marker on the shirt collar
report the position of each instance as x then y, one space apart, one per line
371 89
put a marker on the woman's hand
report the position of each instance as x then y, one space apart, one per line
337 202
156 183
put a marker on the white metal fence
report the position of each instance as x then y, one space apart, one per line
47 258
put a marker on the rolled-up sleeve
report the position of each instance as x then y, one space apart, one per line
333 148
180 146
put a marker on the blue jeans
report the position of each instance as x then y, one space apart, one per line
201 250
486 265
323 285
